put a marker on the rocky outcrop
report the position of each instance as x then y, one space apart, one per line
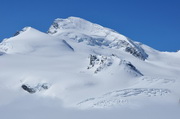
34 89
97 63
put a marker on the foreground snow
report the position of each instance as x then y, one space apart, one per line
39 108
83 70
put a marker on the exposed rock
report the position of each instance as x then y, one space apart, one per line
136 53
28 88
129 67
98 63
32 89
23 30
17 33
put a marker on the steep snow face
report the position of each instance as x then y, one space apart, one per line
92 34
30 40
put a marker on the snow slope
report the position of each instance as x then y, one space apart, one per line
30 40
81 65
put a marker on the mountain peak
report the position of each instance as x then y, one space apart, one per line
75 19
93 34
80 26
23 30
73 24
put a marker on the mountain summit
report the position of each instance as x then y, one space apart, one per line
81 30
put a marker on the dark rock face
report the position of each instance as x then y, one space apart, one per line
132 67
44 86
136 53
20 31
92 60
99 62
17 33
28 88
32 89
55 26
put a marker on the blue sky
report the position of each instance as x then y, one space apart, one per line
152 22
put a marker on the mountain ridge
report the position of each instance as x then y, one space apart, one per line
92 34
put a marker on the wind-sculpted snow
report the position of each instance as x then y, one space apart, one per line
150 80
81 30
121 97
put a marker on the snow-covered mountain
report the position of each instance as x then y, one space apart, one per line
81 30
84 65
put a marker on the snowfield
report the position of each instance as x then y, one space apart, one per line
79 70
